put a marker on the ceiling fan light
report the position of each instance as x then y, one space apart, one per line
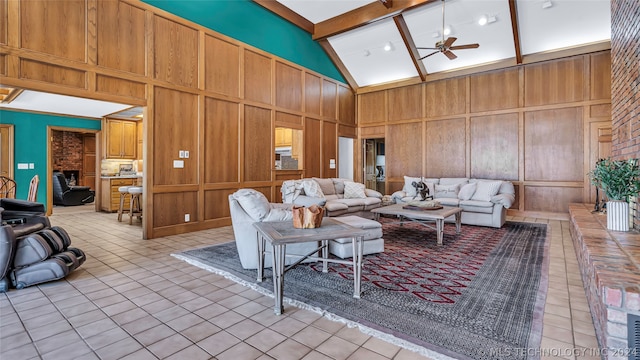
483 20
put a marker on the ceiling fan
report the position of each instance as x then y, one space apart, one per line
444 46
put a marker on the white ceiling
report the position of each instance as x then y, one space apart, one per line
542 28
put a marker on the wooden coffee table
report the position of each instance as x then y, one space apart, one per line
423 217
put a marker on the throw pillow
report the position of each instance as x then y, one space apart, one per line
338 184
353 190
326 185
312 188
466 191
486 189
447 191
254 203
408 188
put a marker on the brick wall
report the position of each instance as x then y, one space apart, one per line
66 150
625 81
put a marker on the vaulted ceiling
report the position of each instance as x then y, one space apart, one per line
377 42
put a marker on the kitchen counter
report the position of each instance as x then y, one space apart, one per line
120 177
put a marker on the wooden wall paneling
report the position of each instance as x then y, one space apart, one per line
445 148
312 148
266 190
257 77
329 99
288 87
3 64
494 146
497 90
289 120
405 103
216 204
175 128
121 37
346 106
329 149
554 82
222 66
446 97
54 27
554 148
170 208
221 141
258 151
600 111
600 75
372 132
404 150
175 52
551 199
599 148
35 70
4 20
121 87
347 131
372 108
312 94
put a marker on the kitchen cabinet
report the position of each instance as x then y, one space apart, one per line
110 200
121 139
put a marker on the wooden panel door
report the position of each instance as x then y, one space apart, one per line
6 150
114 134
89 160
129 140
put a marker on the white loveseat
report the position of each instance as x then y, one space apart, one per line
483 201
338 196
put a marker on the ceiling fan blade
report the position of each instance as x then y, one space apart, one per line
449 54
468 46
427 48
449 41
426 56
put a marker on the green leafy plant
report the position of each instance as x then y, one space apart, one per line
619 179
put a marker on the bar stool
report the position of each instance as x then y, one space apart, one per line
124 191
135 207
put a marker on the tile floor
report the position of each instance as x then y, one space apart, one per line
131 300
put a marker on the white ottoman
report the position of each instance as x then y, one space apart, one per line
373 241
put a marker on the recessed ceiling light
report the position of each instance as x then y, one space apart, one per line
483 20
447 31
387 46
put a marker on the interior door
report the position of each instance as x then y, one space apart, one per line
6 150
369 151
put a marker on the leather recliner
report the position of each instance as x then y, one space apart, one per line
66 195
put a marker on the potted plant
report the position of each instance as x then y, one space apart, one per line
618 179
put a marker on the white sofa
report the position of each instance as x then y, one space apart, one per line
338 196
483 201
248 206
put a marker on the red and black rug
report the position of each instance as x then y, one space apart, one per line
480 295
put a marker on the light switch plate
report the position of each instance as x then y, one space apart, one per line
186 154
178 164
23 166
181 154
32 166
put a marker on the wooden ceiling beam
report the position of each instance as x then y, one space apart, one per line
362 16
339 64
516 30
286 13
387 3
401 24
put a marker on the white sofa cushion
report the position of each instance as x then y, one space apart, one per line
312 188
467 191
254 203
354 190
486 190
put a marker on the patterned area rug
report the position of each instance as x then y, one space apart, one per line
480 295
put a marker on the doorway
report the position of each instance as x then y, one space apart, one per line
374 164
345 158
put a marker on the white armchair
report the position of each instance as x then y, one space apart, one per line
248 206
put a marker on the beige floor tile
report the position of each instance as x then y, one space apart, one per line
381 347
218 342
337 348
289 350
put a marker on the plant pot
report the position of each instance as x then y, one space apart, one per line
618 215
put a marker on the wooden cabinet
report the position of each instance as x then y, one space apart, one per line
121 139
110 200
139 133
284 137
